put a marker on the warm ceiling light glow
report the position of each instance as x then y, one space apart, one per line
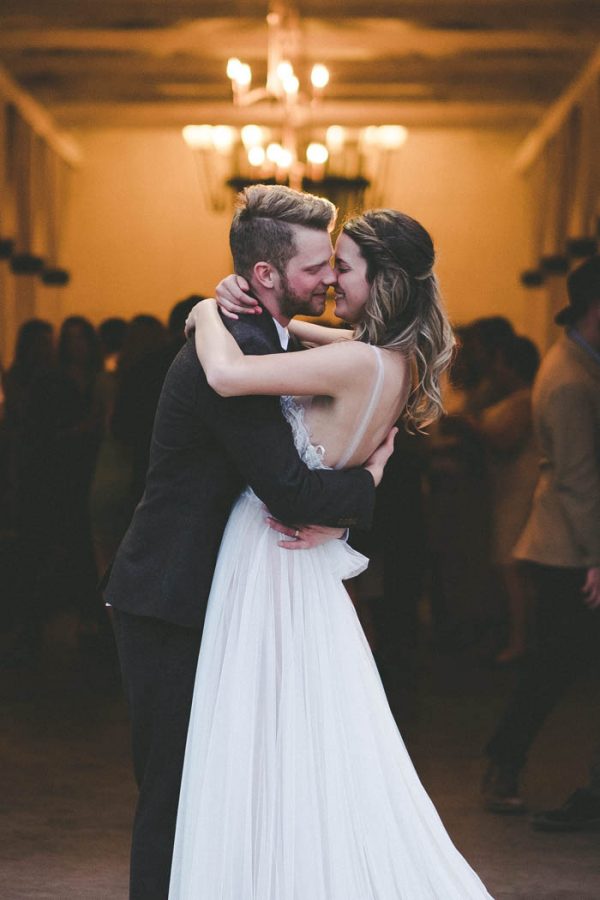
223 137
317 154
233 68
274 152
285 159
370 136
291 84
319 76
335 137
391 137
198 137
244 76
252 136
256 156
284 70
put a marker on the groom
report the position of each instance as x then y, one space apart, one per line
204 450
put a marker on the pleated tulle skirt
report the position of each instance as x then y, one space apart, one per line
296 783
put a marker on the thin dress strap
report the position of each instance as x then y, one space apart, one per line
368 413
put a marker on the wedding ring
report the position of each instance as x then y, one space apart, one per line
297 533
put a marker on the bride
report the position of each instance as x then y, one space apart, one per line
296 782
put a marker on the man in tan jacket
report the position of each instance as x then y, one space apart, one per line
561 548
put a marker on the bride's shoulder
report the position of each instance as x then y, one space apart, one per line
357 351
350 359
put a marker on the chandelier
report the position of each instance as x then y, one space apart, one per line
285 141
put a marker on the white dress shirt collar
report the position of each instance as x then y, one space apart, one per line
283 334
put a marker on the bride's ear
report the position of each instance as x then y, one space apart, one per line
266 275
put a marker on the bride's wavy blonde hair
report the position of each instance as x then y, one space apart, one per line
404 310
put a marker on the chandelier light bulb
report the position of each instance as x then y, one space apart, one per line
233 68
284 70
256 156
223 137
319 76
391 137
370 136
274 152
252 136
198 137
244 75
335 138
285 159
317 154
291 85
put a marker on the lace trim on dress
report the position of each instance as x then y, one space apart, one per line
311 454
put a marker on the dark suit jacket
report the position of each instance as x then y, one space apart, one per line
204 450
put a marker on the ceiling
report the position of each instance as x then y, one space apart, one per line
162 62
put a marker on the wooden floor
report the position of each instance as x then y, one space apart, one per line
67 792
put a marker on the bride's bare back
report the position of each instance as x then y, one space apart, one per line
352 424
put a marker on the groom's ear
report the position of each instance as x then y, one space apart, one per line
265 274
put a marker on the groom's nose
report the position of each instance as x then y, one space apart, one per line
330 277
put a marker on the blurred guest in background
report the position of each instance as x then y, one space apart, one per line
507 432
561 544
140 378
111 334
110 492
34 358
458 508
490 339
58 437
63 435
148 352
33 361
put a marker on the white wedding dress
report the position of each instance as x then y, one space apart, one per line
296 782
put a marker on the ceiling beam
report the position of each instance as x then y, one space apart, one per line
363 38
351 113
556 116
124 12
39 119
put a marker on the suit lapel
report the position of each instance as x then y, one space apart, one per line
294 345
267 325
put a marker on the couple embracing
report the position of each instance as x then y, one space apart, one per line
268 762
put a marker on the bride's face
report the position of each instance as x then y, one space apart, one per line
351 287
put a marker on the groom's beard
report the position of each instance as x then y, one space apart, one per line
293 304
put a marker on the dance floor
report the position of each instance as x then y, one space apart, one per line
67 793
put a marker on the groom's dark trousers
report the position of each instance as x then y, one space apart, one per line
204 450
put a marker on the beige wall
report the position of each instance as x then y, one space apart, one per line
138 238
461 185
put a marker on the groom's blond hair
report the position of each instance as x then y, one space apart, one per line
261 228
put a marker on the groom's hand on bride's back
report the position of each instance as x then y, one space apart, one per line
307 536
233 297
377 460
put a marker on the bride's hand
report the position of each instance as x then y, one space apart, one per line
306 536
232 297
377 460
